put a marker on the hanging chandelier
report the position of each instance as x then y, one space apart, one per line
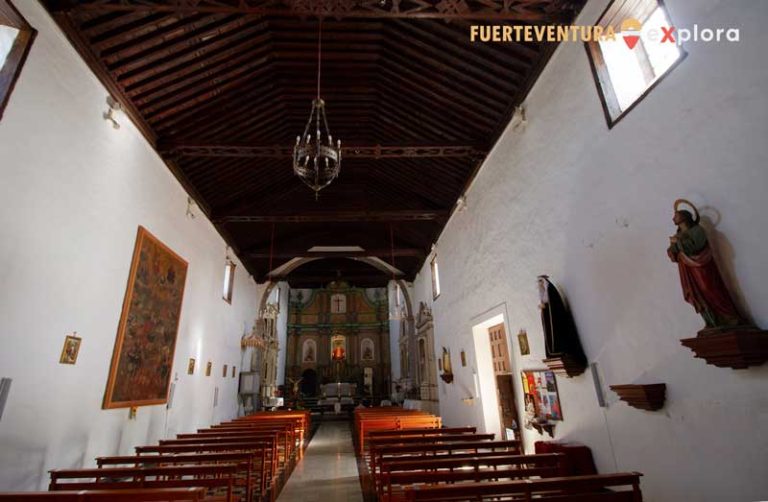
316 160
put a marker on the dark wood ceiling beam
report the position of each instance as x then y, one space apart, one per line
457 34
297 280
207 66
120 32
185 62
206 98
339 217
348 152
446 96
382 253
263 93
481 59
411 113
402 187
206 89
152 35
268 196
495 85
520 10
226 110
99 25
205 36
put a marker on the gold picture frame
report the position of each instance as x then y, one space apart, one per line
522 340
191 366
142 360
208 368
71 349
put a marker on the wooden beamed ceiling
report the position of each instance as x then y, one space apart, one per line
222 88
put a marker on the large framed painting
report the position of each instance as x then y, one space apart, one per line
146 336
540 393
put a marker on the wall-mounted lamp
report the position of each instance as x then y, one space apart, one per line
111 113
190 205
461 204
519 119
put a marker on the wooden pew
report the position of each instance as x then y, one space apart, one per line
140 495
212 477
250 475
260 451
423 432
376 445
434 450
597 488
367 422
407 472
301 418
272 439
285 431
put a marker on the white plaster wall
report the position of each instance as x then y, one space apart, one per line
74 191
592 208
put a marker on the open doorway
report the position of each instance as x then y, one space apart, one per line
494 376
505 387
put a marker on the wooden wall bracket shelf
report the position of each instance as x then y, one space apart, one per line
737 347
566 365
447 377
547 427
643 397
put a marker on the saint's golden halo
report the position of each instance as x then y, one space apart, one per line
680 202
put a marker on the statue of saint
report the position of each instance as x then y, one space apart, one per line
560 336
338 353
703 287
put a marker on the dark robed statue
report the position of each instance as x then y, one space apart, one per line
560 336
703 286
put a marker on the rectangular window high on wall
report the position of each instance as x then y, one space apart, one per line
229 281
435 278
16 36
644 51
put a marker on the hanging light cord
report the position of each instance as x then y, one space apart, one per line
392 249
319 53
271 247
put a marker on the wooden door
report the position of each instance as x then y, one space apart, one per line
502 370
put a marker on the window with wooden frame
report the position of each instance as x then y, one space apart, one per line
435 278
16 36
229 281
643 52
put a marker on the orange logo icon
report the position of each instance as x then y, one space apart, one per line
630 29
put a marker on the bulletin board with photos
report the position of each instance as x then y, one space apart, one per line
540 394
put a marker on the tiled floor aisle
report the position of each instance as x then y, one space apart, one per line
328 472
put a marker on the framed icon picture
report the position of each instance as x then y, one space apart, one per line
191 366
71 349
522 340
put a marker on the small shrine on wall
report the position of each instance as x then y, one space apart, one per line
339 334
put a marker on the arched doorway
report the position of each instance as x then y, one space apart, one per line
309 383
